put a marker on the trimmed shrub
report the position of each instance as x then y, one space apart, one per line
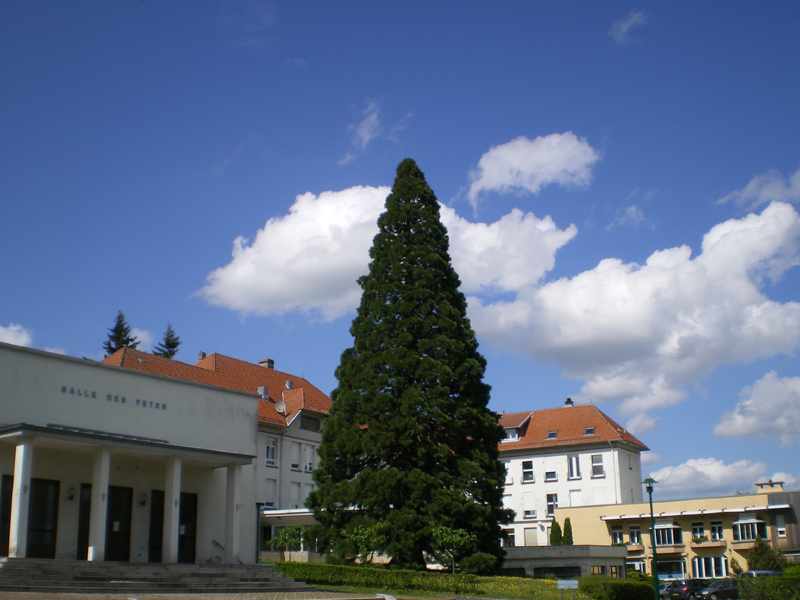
601 587
769 588
480 563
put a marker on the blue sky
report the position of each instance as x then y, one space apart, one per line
620 182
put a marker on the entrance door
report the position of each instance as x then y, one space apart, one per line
156 525
187 532
118 523
84 518
43 518
6 488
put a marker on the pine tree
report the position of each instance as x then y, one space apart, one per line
168 347
556 539
566 539
762 557
119 336
410 444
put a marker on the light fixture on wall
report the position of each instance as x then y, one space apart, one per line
71 493
143 500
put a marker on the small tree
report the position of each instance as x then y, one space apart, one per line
168 347
566 540
736 568
119 336
556 538
289 538
366 538
763 557
448 543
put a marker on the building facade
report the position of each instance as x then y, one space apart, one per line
562 457
697 538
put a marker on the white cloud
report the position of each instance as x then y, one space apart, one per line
707 477
766 188
768 408
363 132
640 423
790 482
651 458
524 165
145 339
632 216
16 334
641 333
621 28
309 260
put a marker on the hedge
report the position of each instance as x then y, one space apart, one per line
367 577
608 588
769 588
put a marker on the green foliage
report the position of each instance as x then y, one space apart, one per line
119 336
792 571
410 440
168 347
566 540
763 557
769 588
635 575
556 539
365 538
395 579
736 568
601 587
289 538
449 543
480 563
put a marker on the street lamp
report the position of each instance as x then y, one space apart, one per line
649 487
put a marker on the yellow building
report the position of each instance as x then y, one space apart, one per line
699 537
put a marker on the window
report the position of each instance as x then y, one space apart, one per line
529 506
550 476
599 495
668 535
294 495
271 493
574 467
552 504
588 431
309 453
710 567
509 478
616 536
308 488
527 471
272 452
635 536
509 538
550 465
716 530
512 435
637 565
780 525
698 531
746 529
615 571
574 497
598 570
309 423
551 435
597 466
294 453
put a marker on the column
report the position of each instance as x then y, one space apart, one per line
233 507
98 516
172 510
20 499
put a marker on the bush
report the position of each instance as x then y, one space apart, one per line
769 588
480 563
394 579
607 588
792 571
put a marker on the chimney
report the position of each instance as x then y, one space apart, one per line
200 356
769 487
267 363
569 402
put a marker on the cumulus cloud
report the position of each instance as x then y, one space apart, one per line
16 334
790 481
309 260
621 29
766 188
768 408
641 333
524 165
145 339
707 477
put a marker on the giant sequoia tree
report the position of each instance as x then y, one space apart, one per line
410 445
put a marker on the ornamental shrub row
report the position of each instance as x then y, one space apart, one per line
369 577
769 588
609 588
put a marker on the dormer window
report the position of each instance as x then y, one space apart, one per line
588 431
512 435
551 435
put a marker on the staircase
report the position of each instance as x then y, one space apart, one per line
82 577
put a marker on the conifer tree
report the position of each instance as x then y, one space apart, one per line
168 347
556 539
566 539
410 444
119 336
762 557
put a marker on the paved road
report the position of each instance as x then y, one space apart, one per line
248 596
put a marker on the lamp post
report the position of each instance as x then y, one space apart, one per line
649 486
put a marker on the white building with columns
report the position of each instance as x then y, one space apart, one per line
158 463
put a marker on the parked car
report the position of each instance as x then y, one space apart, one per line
762 574
663 590
722 588
686 589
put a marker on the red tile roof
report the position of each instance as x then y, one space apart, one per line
570 423
226 372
